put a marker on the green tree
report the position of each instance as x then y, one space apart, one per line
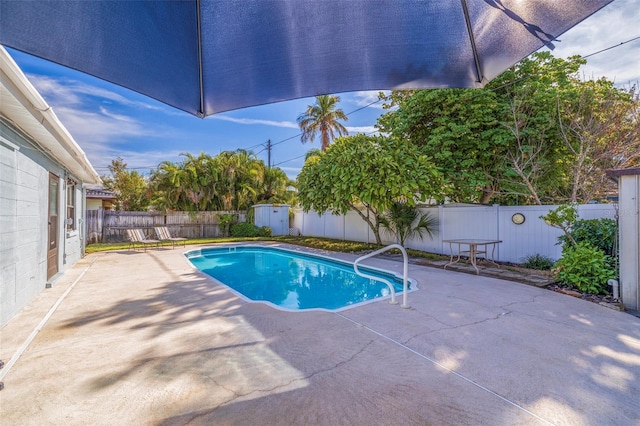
274 187
129 186
460 130
322 117
536 134
528 94
367 174
190 185
232 180
600 127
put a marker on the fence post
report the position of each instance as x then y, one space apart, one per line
441 234
496 209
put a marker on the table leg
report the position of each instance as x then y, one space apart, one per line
472 256
451 261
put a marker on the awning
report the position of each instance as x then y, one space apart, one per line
209 56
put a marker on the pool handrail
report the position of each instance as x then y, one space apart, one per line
404 272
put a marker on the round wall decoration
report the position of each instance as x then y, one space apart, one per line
518 218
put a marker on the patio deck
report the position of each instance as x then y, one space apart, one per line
143 338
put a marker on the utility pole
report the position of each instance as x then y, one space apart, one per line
269 153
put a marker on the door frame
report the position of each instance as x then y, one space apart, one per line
53 218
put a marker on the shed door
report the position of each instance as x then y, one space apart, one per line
52 250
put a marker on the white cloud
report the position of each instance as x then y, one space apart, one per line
361 129
368 98
143 162
251 121
292 172
616 23
66 91
99 127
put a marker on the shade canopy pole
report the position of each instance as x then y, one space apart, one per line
202 112
467 18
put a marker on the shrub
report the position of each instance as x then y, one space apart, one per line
600 233
584 267
538 262
244 229
264 231
224 221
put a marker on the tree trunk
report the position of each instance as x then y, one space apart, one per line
487 194
375 228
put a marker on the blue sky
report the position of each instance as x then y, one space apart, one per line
108 121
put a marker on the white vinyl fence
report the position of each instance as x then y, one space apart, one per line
533 236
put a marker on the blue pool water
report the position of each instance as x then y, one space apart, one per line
291 280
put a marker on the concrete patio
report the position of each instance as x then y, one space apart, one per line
142 338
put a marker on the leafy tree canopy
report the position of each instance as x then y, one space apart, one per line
232 180
535 134
367 174
129 186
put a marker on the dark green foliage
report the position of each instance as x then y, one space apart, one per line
600 233
538 262
584 267
244 229
225 220
264 231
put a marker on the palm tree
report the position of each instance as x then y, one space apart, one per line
322 117
405 221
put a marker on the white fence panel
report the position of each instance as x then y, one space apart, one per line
313 224
356 229
533 236
334 226
298 216
597 211
469 222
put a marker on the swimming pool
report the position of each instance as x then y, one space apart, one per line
292 280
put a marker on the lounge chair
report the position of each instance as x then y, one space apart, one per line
136 236
164 235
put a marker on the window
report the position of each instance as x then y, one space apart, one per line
71 204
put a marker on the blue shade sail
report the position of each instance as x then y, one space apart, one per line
209 56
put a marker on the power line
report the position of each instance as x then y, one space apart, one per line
612 47
290 159
494 89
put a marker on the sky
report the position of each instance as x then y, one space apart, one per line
108 121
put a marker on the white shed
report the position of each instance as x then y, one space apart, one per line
43 173
275 216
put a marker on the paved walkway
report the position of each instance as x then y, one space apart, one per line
142 338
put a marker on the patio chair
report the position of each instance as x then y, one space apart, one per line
164 235
136 236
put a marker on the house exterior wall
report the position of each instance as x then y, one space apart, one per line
24 183
94 204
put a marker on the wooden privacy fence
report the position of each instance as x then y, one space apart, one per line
109 226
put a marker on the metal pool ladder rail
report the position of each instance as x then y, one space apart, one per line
404 272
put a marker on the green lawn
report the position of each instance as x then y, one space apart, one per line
312 242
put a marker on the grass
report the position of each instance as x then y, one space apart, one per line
311 242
